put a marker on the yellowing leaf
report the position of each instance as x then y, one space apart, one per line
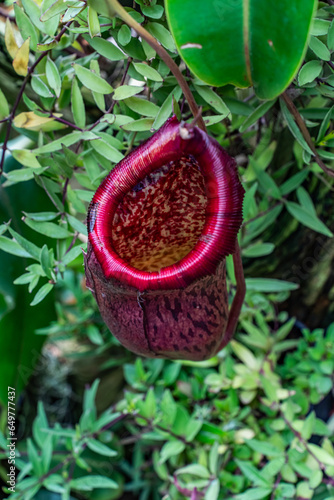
10 40
20 63
31 121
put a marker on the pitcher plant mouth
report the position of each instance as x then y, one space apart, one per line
169 212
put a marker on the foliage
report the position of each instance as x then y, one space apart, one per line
88 91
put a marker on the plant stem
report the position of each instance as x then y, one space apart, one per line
302 127
20 94
116 8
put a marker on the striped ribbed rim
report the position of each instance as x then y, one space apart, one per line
223 215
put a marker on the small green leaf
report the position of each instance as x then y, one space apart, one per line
213 99
170 449
67 140
162 34
258 250
257 114
125 91
106 150
100 448
124 35
324 125
10 246
40 87
26 27
68 257
268 285
294 129
319 49
212 492
4 108
142 106
91 80
53 77
48 229
330 37
166 108
41 294
147 71
56 8
89 483
195 470
264 447
253 494
78 106
153 11
307 218
309 72
29 247
139 125
93 22
106 49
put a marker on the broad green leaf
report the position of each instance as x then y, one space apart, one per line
106 49
4 108
125 91
268 285
78 106
148 72
53 77
91 80
307 218
309 72
259 32
142 106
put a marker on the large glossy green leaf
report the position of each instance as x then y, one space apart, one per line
243 42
